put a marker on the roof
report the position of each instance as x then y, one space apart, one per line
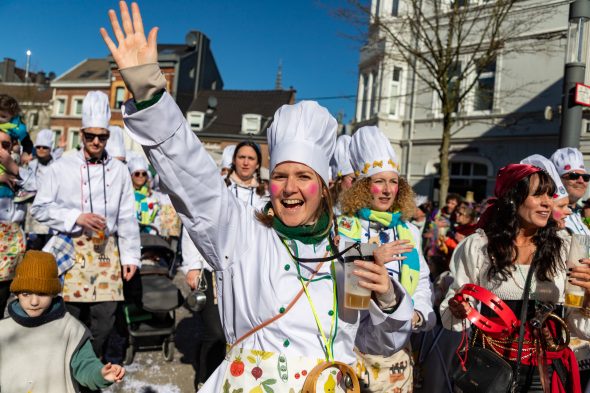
24 93
88 71
232 104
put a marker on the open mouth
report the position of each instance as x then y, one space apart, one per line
291 203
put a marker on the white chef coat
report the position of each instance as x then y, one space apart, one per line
576 225
256 274
32 174
422 297
63 195
248 195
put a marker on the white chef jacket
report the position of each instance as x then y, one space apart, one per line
423 297
576 225
191 257
256 274
248 195
31 175
63 195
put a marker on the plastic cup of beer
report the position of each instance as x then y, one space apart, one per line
579 249
355 296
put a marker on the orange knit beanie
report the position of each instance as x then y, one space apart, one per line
37 273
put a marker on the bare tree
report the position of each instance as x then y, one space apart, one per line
448 44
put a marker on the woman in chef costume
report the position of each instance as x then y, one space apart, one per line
277 338
377 209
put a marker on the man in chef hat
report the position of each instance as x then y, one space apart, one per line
87 198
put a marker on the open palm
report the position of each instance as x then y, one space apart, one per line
133 49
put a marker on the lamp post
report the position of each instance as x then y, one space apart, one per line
27 66
575 70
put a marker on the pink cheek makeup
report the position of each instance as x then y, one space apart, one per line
375 190
275 189
313 189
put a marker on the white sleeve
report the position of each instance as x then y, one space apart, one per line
127 226
466 262
220 226
191 257
423 297
47 211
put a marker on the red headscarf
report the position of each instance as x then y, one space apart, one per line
506 179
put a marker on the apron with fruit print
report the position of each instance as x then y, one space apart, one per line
96 273
391 374
254 371
12 248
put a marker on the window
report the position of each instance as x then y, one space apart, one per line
119 97
56 136
59 106
395 93
196 120
395 8
454 86
467 176
374 95
77 106
251 123
34 119
364 96
484 88
74 138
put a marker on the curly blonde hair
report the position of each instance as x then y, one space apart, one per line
359 196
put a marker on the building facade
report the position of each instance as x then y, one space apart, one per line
512 112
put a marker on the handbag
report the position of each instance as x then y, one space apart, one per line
487 372
352 382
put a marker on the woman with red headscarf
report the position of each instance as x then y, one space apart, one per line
516 232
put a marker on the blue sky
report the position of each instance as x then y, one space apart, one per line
248 38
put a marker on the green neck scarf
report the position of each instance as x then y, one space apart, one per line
306 234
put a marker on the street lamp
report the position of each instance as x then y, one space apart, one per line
27 66
575 70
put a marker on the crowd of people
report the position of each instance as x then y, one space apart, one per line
331 275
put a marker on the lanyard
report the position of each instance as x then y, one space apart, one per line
328 342
104 189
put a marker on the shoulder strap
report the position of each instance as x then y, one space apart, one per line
523 314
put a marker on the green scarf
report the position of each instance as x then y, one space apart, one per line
306 234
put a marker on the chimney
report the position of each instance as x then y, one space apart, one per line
7 70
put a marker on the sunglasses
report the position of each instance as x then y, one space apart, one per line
41 147
89 137
575 176
6 145
140 174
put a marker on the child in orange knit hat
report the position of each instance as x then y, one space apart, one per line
43 347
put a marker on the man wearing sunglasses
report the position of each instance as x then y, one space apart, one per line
88 199
569 162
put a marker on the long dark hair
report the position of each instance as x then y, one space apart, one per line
502 227
260 189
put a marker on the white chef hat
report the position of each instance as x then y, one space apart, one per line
116 144
96 111
545 164
137 164
419 200
304 133
340 163
371 153
568 159
45 138
228 156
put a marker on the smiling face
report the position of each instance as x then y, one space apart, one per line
536 209
295 193
560 211
246 162
384 187
576 188
34 304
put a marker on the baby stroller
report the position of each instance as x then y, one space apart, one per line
150 314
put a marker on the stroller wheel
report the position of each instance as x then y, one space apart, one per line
129 354
168 350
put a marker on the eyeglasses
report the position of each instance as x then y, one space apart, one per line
575 176
41 147
6 145
138 174
89 137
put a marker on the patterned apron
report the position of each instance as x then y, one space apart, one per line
96 274
169 222
12 249
254 371
391 374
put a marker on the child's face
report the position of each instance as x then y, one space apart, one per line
34 304
5 116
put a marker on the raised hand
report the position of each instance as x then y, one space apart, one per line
133 49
